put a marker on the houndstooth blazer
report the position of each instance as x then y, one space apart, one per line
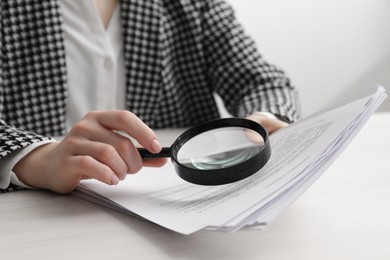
177 54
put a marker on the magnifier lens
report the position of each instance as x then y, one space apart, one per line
220 148
217 152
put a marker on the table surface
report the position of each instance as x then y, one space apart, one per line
344 215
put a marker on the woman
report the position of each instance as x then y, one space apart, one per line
161 60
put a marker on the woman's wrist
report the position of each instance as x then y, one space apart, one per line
30 169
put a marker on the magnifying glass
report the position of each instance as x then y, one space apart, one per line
218 152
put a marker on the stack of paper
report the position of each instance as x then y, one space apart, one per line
300 155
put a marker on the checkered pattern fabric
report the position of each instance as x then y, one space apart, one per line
177 54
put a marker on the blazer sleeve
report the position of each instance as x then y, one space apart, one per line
238 73
11 138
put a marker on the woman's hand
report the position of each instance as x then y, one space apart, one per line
92 149
271 124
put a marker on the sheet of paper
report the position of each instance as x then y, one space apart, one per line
300 154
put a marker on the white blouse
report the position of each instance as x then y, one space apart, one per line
94 57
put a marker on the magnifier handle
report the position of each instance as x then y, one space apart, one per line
145 154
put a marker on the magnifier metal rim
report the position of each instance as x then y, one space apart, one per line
223 175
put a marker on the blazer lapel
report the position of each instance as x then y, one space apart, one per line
141 31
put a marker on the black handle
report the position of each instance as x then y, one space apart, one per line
145 154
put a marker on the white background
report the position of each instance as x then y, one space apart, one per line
329 49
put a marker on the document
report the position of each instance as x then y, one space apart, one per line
301 153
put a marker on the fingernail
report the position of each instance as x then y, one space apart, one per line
114 179
156 146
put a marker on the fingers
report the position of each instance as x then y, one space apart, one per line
128 122
103 153
270 124
95 138
120 144
157 162
87 166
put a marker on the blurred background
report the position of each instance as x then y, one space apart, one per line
330 49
